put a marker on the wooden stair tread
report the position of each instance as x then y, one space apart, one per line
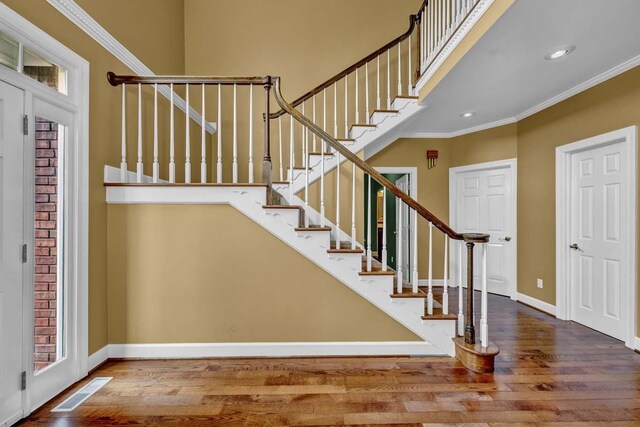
296 168
438 315
345 248
405 97
313 228
386 111
280 182
375 272
318 153
346 140
281 207
409 294
363 125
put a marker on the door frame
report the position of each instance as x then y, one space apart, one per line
454 173
76 101
564 154
412 171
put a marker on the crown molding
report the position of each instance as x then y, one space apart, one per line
76 14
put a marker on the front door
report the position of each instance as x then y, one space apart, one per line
11 253
485 203
599 232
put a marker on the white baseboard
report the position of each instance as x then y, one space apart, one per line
279 349
536 303
97 358
636 344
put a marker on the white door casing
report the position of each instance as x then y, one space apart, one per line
596 217
403 232
12 362
483 200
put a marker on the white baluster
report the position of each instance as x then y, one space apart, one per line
314 121
378 82
235 134
388 79
280 150
445 293
384 229
346 106
399 70
460 290
322 213
203 126
357 120
219 132
172 140
335 111
369 254
123 149
366 91
187 162
156 164
430 279
324 116
304 138
139 168
399 273
306 176
414 278
448 18
251 177
338 201
423 45
484 326
409 72
353 206
292 159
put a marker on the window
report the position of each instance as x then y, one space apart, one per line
23 60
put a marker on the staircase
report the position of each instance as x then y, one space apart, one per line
326 130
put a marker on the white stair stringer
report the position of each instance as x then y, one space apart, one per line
386 132
312 244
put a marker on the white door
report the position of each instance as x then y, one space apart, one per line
403 229
598 222
11 241
485 203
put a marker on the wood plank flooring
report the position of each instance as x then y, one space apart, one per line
548 372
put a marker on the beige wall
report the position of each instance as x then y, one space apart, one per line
104 134
199 280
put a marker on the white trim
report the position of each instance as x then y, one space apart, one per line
563 193
269 349
112 176
453 207
536 303
461 32
579 88
78 16
636 343
97 358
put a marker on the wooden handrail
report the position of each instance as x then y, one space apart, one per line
318 89
412 203
116 80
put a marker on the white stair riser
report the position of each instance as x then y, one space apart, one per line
379 117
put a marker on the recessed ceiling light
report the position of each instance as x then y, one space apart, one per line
466 115
559 53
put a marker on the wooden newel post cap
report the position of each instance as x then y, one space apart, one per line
476 237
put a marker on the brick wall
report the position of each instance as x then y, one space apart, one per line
46 250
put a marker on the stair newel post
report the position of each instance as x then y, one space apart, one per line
156 163
484 327
384 229
266 161
369 223
123 152
430 278
460 290
187 139
469 328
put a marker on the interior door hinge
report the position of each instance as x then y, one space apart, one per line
24 253
25 124
23 380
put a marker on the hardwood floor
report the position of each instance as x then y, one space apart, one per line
548 372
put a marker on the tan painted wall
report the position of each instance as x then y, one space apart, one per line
199 280
104 134
609 106
433 184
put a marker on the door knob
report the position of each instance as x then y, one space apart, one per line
574 246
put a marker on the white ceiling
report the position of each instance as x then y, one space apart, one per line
505 75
